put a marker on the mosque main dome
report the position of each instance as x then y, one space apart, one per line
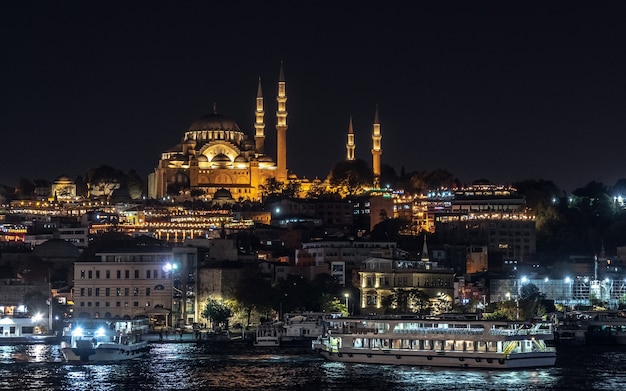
214 121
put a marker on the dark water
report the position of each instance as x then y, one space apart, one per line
188 366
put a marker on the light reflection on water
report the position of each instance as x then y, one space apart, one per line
188 366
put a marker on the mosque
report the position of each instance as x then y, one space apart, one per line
215 156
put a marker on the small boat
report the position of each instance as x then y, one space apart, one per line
302 328
467 343
96 340
269 334
297 329
26 330
592 328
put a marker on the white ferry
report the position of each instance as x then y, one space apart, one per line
297 329
30 330
306 326
438 342
97 340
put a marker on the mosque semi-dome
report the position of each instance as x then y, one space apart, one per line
221 158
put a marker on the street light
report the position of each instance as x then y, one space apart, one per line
347 295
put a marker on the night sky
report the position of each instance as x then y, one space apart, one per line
505 90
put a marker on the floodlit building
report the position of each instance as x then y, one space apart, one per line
158 283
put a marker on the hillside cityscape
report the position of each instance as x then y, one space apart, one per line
223 234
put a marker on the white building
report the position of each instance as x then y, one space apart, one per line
160 284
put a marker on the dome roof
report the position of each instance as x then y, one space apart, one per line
63 179
214 121
220 158
56 248
265 158
203 158
222 194
241 158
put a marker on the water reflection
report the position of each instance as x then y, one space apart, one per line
222 367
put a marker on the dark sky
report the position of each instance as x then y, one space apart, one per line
506 90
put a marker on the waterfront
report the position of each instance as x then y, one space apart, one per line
223 366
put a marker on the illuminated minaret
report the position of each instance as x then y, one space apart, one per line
376 150
259 125
350 145
281 129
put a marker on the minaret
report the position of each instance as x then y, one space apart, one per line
281 129
425 257
259 125
350 145
376 150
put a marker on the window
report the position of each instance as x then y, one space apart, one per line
118 304
97 291
82 291
136 273
89 291
107 304
118 291
82 274
97 273
147 291
126 291
97 304
147 304
107 274
135 292
135 304
147 273
107 292
90 274
119 274
126 273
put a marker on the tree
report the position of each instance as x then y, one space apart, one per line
316 190
35 302
217 312
407 301
530 298
135 185
291 189
272 187
253 293
351 176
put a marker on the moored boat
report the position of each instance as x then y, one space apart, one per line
27 330
439 342
96 340
269 334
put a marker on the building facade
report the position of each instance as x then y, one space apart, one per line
379 278
160 285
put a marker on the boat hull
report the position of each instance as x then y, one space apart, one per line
441 359
104 352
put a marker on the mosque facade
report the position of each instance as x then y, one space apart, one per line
216 155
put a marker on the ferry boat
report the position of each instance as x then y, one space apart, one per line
97 340
27 330
297 329
592 328
439 342
303 327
